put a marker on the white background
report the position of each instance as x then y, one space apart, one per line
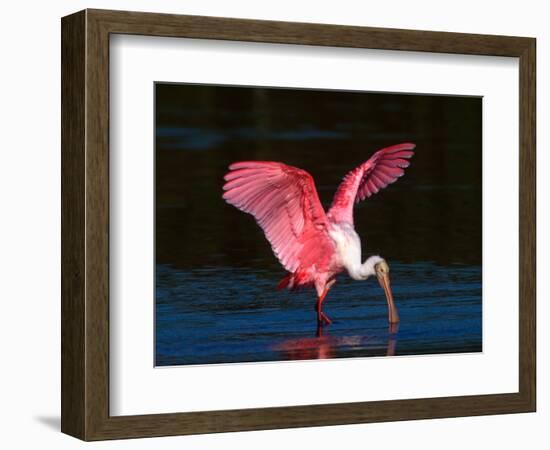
136 387
29 239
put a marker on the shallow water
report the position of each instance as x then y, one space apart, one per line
216 277
224 314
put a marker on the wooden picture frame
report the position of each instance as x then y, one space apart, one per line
85 224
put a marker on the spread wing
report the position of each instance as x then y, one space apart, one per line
285 204
382 169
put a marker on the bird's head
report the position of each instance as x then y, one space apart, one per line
382 271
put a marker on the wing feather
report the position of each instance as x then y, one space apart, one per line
285 204
383 168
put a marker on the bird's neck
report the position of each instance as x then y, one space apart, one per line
359 271
348 246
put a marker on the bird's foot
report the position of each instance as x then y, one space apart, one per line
322 318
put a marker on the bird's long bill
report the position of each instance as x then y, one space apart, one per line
384 280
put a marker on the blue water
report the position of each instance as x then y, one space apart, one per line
223 314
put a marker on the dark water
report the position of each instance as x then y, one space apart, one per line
216 276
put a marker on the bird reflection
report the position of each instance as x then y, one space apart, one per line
324 346
392 339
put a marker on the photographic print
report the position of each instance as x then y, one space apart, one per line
296 224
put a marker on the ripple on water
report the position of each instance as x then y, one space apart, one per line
224 314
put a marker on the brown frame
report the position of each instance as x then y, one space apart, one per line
85 224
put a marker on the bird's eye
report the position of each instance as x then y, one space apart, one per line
382 268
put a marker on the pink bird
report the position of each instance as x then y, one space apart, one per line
314 246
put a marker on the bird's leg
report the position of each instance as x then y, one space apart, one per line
322 318
319 332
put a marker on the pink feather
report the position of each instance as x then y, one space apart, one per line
285 204
382 169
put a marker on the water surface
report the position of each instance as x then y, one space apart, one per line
223 314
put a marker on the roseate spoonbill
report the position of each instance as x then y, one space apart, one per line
314 246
